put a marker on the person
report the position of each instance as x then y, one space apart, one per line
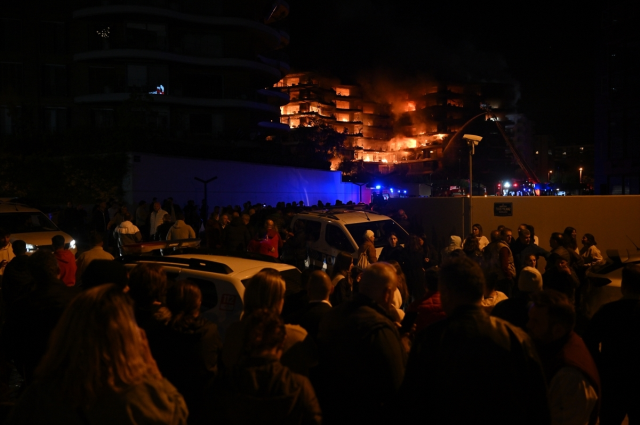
259 388
403 220
142 217
318 290
148 289
99 272
590 253
341 279
518 245
492 296
429 308
6 251
163 230
472 249
515 310
31 318
413 266
236 235
362 354
95 253
266 289
261 244
188 346
98 369
530 261
100 220
612 339
455 244
560 277
570 236
66 260
482 240
126 233
180 229
574 382
156 218
367 250
559 246
392 251
17 279
471 367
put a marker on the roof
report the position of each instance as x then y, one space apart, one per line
237 265
346 216
6 207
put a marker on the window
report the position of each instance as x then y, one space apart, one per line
202 45
336 238
10 78
55 119
102 118
209 292
311 229
147 78
54 80
53 38
381 229
10 35
26 222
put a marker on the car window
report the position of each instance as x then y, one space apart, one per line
26 222
337 239
311 229
381 229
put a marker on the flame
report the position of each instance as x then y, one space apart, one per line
335 163
411 106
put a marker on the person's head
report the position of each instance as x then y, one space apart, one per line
265 290
224 219
99 272
477 230
269 224
156 206
631 280
471 243
460 282
413 243
521 228
495 235
264 334
506 235
142 203
166 218
531 261
531 230
102 205
379 282
343 264
183 300
551 316
570 232
368 236
319 286
96 347
589 240
179 215
43 267
530 280
525 236
500 227
393 240
126 216
148 285
246 218
58 242
5 238
556 240
402 214
95 238
19 247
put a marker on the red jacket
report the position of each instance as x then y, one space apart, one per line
429 310
67 265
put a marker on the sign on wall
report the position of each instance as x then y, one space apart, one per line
503 209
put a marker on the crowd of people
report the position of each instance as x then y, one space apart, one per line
471 333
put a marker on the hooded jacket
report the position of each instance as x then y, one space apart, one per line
127 233
180 230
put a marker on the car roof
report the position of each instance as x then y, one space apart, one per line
345 216
8 207
237 265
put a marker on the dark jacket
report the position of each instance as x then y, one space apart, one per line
514 310
262 390
561 282
460 367
362 360
16 280
388 253
342 292
312 316
236 235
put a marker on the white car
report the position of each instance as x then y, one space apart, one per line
32 226
605 279
221 279
331 232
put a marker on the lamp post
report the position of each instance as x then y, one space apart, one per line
472 142
580 174
549 175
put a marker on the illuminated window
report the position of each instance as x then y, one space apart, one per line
342 91
342 104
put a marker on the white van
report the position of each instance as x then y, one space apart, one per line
331 232
32 226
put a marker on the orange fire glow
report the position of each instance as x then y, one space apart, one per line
411 106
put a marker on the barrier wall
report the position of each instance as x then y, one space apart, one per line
237 182
613 220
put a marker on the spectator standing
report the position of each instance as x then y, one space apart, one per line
455 244
570 234
97 252
318 290
98 369
466 362
506 264
515 310
413 266
180 229
236 235
471 248
574 382
403 220
482 240
163 229
590 253
391 251
142 217
429 308
156 218
6 251
612 339
66 260
16 280
367 249
560 277
341 279
126 233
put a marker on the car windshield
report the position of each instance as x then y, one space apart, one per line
26 222
381 229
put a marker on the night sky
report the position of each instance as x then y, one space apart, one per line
545 48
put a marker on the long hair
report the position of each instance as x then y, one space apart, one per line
183 300
264 290
402 280
479 227
591 239
342 265
570 240
96 348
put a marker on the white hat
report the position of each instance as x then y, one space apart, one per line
530 280
368 234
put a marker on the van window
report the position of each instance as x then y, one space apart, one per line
381 229
311 229
337 239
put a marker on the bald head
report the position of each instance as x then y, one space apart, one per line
379 282
319 286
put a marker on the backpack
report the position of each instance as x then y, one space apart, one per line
363 261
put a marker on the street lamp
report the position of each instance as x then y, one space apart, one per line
472 141
549 175
580 174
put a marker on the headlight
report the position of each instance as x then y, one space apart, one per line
72 244
30 248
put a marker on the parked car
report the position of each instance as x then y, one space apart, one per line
329 233
32 226
605 279
221 278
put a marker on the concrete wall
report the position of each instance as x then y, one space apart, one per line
238 182
611 219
